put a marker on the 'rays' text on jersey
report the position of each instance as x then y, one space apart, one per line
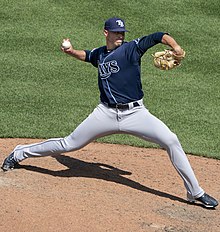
107 68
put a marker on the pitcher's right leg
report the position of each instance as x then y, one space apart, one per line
102 121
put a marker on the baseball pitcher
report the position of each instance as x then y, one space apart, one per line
121 108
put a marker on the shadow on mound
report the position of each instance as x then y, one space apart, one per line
79 168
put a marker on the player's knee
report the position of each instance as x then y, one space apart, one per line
172 140
70 145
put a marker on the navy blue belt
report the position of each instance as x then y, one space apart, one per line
121 106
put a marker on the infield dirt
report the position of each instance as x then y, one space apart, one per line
104 187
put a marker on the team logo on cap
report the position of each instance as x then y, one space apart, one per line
120 23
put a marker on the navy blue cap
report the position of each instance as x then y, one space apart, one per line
115 24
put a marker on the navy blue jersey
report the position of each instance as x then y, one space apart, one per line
119 71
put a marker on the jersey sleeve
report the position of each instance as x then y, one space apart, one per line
146 42
92 56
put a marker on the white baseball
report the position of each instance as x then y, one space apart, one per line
66 44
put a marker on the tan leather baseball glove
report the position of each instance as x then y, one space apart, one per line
167 59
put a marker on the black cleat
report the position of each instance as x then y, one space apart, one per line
9 163
205 199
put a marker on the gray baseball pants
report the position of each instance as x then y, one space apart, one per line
104 121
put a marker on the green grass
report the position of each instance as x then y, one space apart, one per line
45 93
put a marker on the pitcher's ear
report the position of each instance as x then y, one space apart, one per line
105 32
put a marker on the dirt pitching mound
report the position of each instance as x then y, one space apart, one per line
104 187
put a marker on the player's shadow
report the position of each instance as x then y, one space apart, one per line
79 168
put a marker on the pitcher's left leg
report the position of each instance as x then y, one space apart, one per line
143 124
